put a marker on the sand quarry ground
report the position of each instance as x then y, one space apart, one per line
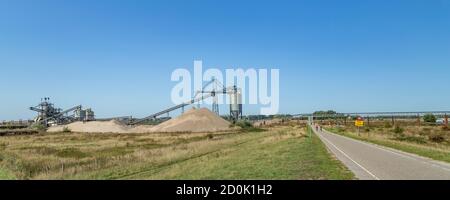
194 120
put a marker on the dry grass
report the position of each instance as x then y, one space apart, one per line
170 155
407 132
64 155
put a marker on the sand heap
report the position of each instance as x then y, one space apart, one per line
194 120
112 126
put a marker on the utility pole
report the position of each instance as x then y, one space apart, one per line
446 120
310 119
418 120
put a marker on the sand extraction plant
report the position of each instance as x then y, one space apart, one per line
78 119
193 120
49 115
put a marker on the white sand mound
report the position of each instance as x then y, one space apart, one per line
112 126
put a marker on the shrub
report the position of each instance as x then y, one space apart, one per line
340 129
438 137
398 130
38 127
247 126
430 118
244 124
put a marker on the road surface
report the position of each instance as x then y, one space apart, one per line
373 162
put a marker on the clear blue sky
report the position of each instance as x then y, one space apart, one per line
117 56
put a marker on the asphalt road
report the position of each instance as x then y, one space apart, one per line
373 162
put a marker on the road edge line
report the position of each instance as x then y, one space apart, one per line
343 153
397 152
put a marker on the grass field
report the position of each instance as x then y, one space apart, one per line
413 139
277 153
6 175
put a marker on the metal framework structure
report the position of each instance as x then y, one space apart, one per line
215 84
373 115
377 114
49 114
217 88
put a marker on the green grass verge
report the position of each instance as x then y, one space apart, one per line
410 148
6 175
298 158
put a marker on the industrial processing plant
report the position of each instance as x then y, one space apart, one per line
49 115
77 119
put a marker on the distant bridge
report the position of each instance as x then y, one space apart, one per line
375 114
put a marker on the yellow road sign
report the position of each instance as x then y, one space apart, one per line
359 123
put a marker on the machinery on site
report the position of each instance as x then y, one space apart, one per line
49 115
217 88
84 115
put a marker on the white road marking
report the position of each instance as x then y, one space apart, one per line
393 152
343 153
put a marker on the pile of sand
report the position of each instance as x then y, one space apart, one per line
194 120
141 129
112 126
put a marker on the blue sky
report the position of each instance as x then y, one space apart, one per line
117 56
